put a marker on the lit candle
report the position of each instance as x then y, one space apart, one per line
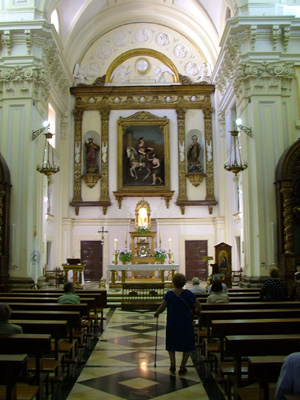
170 244
116 244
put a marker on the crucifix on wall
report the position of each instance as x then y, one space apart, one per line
102 236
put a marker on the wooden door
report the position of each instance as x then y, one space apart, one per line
194 265
91 256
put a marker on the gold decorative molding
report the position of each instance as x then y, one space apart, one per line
178 97
195 178
91 179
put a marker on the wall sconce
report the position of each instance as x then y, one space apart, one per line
235 163
47 167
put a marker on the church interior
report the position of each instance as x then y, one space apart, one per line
143 138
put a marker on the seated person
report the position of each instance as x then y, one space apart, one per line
295 292
214 279
288 381
217 296
5 325
69 297
196 288
274 289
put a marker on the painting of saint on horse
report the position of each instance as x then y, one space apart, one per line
143 156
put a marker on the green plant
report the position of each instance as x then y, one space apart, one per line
142 229
160 255
125 255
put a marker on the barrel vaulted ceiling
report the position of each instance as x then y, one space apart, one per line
196 25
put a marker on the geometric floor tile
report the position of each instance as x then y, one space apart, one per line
139 357
139 384
139 327
140 340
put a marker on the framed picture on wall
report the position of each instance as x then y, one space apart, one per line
143 153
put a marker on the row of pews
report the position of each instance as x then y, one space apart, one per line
246 341
53 340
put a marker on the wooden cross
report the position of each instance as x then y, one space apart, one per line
102 237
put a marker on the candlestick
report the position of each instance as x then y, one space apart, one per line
116 244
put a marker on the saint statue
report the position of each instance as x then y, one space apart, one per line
193 155
91 159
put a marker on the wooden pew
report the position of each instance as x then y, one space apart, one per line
207 316
222 328
232 294
84 292
92 301
73 318
100 297
11 367
233 299
257 345
36 344
263 369
250 305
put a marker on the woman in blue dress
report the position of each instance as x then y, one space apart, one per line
180 331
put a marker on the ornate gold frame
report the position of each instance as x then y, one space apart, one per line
142 124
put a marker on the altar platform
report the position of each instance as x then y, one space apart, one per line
121 273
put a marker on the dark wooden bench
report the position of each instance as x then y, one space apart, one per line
250 305
12 367
207 316
94 301
84 292
222 328
30 344
264 370
240 346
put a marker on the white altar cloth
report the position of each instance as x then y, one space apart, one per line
143 267
113 269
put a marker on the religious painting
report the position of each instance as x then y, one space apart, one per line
143 153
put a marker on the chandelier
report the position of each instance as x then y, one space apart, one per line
48 166
235 163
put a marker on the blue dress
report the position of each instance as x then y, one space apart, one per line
180 331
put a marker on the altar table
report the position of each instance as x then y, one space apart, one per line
140 267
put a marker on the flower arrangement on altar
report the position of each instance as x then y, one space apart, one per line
125 255
143 229
160 255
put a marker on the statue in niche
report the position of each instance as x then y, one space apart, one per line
91 157
193 155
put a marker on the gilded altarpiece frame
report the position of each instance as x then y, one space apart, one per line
142 99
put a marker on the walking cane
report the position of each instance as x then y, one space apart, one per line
155 351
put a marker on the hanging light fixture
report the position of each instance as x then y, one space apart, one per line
235 163
48 167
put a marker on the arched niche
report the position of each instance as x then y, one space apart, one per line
287 182
5 188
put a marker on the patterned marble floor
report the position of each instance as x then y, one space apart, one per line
122 364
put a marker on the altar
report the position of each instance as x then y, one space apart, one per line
157 272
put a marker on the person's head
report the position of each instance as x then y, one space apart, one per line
297 276
274 272
179 280
217 286
195 138
141 140
5 312
69 287
195 281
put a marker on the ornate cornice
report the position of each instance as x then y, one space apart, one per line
56 72
255 77
24 82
